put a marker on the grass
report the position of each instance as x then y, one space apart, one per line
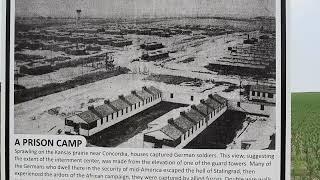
305 124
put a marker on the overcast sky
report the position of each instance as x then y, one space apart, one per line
303 45
131 8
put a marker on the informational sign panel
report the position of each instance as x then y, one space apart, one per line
145 89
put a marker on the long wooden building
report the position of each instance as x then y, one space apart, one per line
96 119
180 131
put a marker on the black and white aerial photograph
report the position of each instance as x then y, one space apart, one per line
185 74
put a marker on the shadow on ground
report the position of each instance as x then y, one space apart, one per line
126 129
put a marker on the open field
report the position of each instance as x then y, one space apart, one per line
305 120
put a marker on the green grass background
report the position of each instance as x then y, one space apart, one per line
305 124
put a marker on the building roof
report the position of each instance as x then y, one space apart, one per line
88 116
219 98
132 99
152 43
171 131
204 109
144 94
235 64
157 52
154 90
38 65
75 119
213 103
121 41
195 115
263 88
119 104
104 110
183 123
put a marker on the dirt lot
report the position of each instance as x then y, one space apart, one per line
220 133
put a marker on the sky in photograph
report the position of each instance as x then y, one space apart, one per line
303 34
145 8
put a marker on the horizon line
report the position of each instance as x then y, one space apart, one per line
127 17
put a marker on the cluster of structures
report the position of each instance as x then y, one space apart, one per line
44 66
216 31
68 41
171 132
65 43
96 119
152 46
155 55
153 51
84 39
180 131
168 31
153 30
254 57
44 50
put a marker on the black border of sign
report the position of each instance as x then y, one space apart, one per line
283 90
7 90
